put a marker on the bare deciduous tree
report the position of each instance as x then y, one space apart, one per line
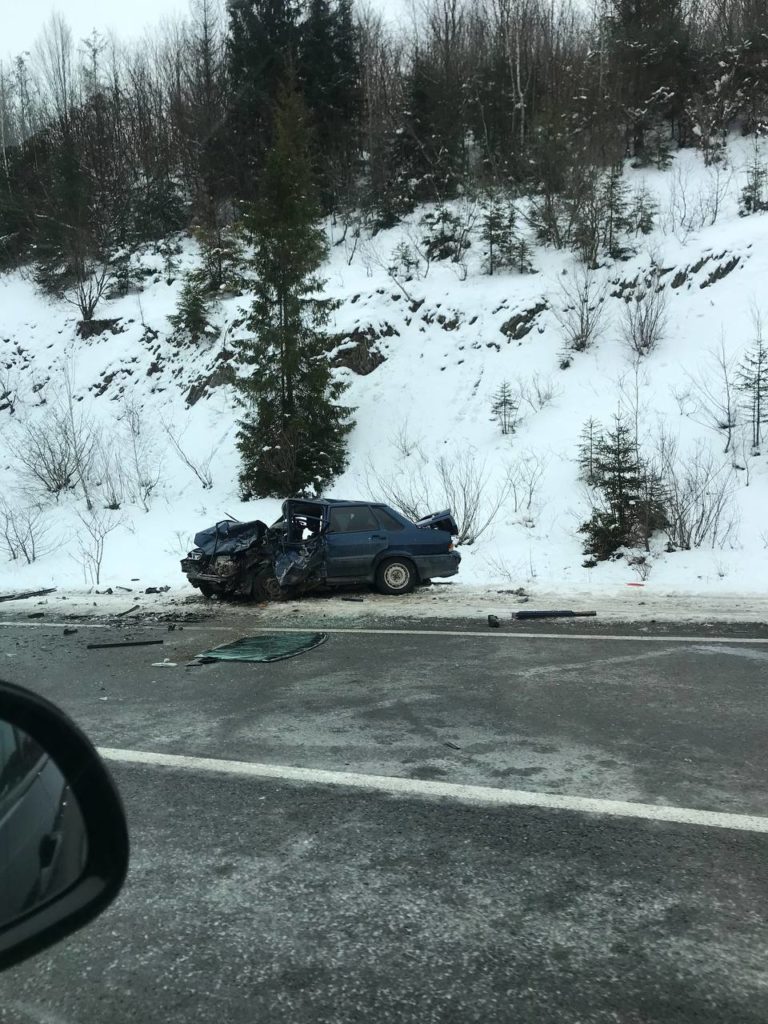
199 466
97 525
24 531
712 395
698 495
462 483
644 317
88 292
580 310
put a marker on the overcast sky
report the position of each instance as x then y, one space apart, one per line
21 20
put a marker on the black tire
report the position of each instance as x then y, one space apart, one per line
396 576
206 589
264 586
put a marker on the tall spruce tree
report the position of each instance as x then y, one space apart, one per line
330 77
292 440
261 49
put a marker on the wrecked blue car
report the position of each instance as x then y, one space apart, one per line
326 543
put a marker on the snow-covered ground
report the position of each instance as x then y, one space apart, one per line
431 397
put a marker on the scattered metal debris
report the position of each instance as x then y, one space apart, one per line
23 594
124 643
69 630
554 615
36 615
135 608
494 621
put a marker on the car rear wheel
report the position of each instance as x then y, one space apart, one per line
264 586
396 576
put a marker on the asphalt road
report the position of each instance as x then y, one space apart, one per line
254 900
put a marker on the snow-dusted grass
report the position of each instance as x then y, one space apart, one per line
430 400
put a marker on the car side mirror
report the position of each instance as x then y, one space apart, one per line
63 834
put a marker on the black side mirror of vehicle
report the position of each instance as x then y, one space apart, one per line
63 834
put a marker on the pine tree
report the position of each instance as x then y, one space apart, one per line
444 237
505 408
223 259
752 380
614 203
522 255
498 232
292 439
191 321
617 523
642 212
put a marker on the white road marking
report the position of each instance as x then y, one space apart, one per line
490 634
487 796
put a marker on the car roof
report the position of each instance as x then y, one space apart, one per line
335 501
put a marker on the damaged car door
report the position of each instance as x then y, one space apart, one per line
354 539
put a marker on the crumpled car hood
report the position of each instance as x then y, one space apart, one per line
229 537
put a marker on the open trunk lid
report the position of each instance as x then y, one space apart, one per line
440 521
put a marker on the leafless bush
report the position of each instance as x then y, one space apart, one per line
683 215
201 467
97 524
9 388
143 459
714 194
183 544
460 482
89 291
743 452
110 477
373 258
524 477
698 496
466 486
57 450
404 444
513 573
24 531
693 206
644 319
712 398
640 565
44 450
538 392
580 310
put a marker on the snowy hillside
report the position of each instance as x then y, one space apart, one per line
446 345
